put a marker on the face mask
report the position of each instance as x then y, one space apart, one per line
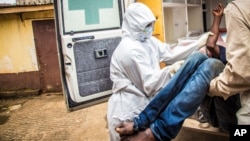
146 34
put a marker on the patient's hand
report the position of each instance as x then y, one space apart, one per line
205 51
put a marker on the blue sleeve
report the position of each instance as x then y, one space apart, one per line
223 54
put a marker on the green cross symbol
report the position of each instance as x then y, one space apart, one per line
91 8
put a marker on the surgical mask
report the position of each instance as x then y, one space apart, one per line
146 34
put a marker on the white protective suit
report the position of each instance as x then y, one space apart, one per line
135 69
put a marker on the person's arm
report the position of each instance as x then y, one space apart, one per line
235 77
211 41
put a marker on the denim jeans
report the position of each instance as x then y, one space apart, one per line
180 98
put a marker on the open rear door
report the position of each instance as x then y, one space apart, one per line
88 31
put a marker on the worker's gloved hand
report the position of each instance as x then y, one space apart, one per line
174 67
203 39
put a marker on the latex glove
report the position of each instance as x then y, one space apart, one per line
174 67
203 39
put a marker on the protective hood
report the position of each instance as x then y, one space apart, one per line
136 18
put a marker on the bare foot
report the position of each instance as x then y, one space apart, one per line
125 129
145 135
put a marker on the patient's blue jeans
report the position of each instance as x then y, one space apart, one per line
180 98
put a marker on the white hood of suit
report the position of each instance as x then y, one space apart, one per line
136 18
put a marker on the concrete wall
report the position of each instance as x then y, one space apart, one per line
19 67
17 48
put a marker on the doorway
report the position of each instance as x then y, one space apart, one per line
45 42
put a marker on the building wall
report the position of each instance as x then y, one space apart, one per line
19 66
17 48
20 71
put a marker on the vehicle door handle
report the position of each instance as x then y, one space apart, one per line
83 38
101 53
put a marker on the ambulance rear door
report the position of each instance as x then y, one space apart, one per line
88 31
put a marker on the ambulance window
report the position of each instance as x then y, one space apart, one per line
91 15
